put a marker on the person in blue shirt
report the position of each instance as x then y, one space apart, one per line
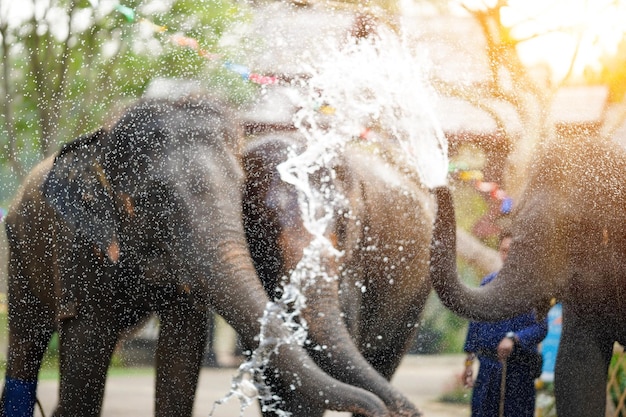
513 341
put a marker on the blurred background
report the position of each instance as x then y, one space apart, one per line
507 75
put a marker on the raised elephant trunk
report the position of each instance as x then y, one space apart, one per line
515 291
568 243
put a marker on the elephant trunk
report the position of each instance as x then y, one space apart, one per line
237 294
514 291
334 349
297 369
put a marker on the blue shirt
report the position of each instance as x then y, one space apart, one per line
483 339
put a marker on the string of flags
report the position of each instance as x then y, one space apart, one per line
187 42
491 188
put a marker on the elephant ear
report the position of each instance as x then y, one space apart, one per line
78 189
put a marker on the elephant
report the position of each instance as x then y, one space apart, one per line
143 216
367 313
567 247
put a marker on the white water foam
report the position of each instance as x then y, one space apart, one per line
371 89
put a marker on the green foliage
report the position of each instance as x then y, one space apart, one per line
617 382
70 66
545 405
51 357
469 203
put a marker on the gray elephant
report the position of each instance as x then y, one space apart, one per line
367 316
568 244
144 216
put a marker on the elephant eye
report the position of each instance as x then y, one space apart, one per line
153 251
157 196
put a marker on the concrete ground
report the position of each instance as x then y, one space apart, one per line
422 378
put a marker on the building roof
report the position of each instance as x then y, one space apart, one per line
283 38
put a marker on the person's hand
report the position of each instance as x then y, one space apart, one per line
505 348
468 377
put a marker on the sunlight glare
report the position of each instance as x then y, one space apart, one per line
555 28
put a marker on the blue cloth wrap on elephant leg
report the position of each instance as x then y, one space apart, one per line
19 397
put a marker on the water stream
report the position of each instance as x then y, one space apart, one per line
375 90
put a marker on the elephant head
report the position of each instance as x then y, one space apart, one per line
157 196
568 246
363 306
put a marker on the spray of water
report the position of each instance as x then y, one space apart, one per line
372 89
377 84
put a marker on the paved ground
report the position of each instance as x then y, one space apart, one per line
421 378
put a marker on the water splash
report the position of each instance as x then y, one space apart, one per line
373 90
247 383
376 85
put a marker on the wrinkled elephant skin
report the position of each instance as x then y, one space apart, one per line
145 216
368 312
568 244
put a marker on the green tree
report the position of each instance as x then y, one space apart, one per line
68 64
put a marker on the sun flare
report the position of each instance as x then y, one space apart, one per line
562 33
560 30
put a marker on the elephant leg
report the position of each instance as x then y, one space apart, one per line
581 367
86 346
386 347
30 327
182 339
389 320
387 360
